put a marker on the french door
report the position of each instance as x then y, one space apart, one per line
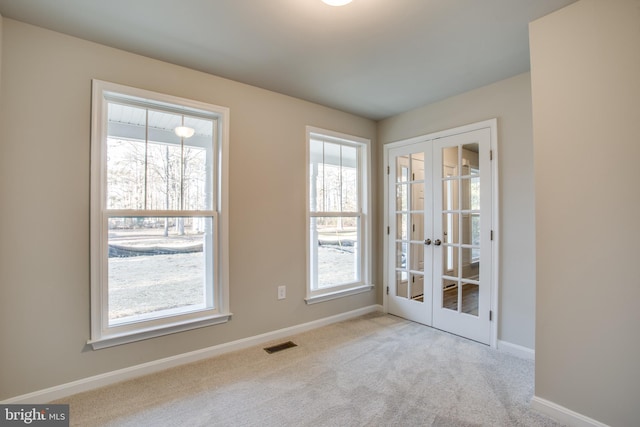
440 233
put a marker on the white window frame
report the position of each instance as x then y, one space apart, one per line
363 213
102 334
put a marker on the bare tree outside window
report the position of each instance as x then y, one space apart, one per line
152 169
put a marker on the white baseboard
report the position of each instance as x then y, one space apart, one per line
517 350
562 414
90 383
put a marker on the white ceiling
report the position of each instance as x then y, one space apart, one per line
373 58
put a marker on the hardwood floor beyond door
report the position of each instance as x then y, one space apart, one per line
469 298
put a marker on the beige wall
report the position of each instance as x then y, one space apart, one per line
44 226
585 63
510 102
0 62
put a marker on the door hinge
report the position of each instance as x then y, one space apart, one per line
490 315
388 230
388 170
490 154
491 234
387 290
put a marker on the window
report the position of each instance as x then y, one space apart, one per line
337 215
158 215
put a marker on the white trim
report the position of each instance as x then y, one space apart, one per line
338 294
516 350
144 334
96 381
563 415
491 123
343 137
495 227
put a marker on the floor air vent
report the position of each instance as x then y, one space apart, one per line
280 347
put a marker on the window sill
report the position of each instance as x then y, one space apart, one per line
146 333
338 294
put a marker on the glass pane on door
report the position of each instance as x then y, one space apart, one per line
402 284
402 199
401 226
417 196
450 256
402 169
470 161
450 192
450 159
450 228
417 287
417 226
417 167
417 257
470 265
401 255
470 293
450 294
471 229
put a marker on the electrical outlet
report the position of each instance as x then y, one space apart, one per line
282 292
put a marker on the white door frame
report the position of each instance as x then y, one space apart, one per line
492 125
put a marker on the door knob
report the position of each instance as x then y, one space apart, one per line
427 242
437 242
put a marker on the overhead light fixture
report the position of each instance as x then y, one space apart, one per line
337 2
184 131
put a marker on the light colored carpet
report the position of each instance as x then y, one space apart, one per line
376 370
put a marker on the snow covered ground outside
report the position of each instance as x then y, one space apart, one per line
149 283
